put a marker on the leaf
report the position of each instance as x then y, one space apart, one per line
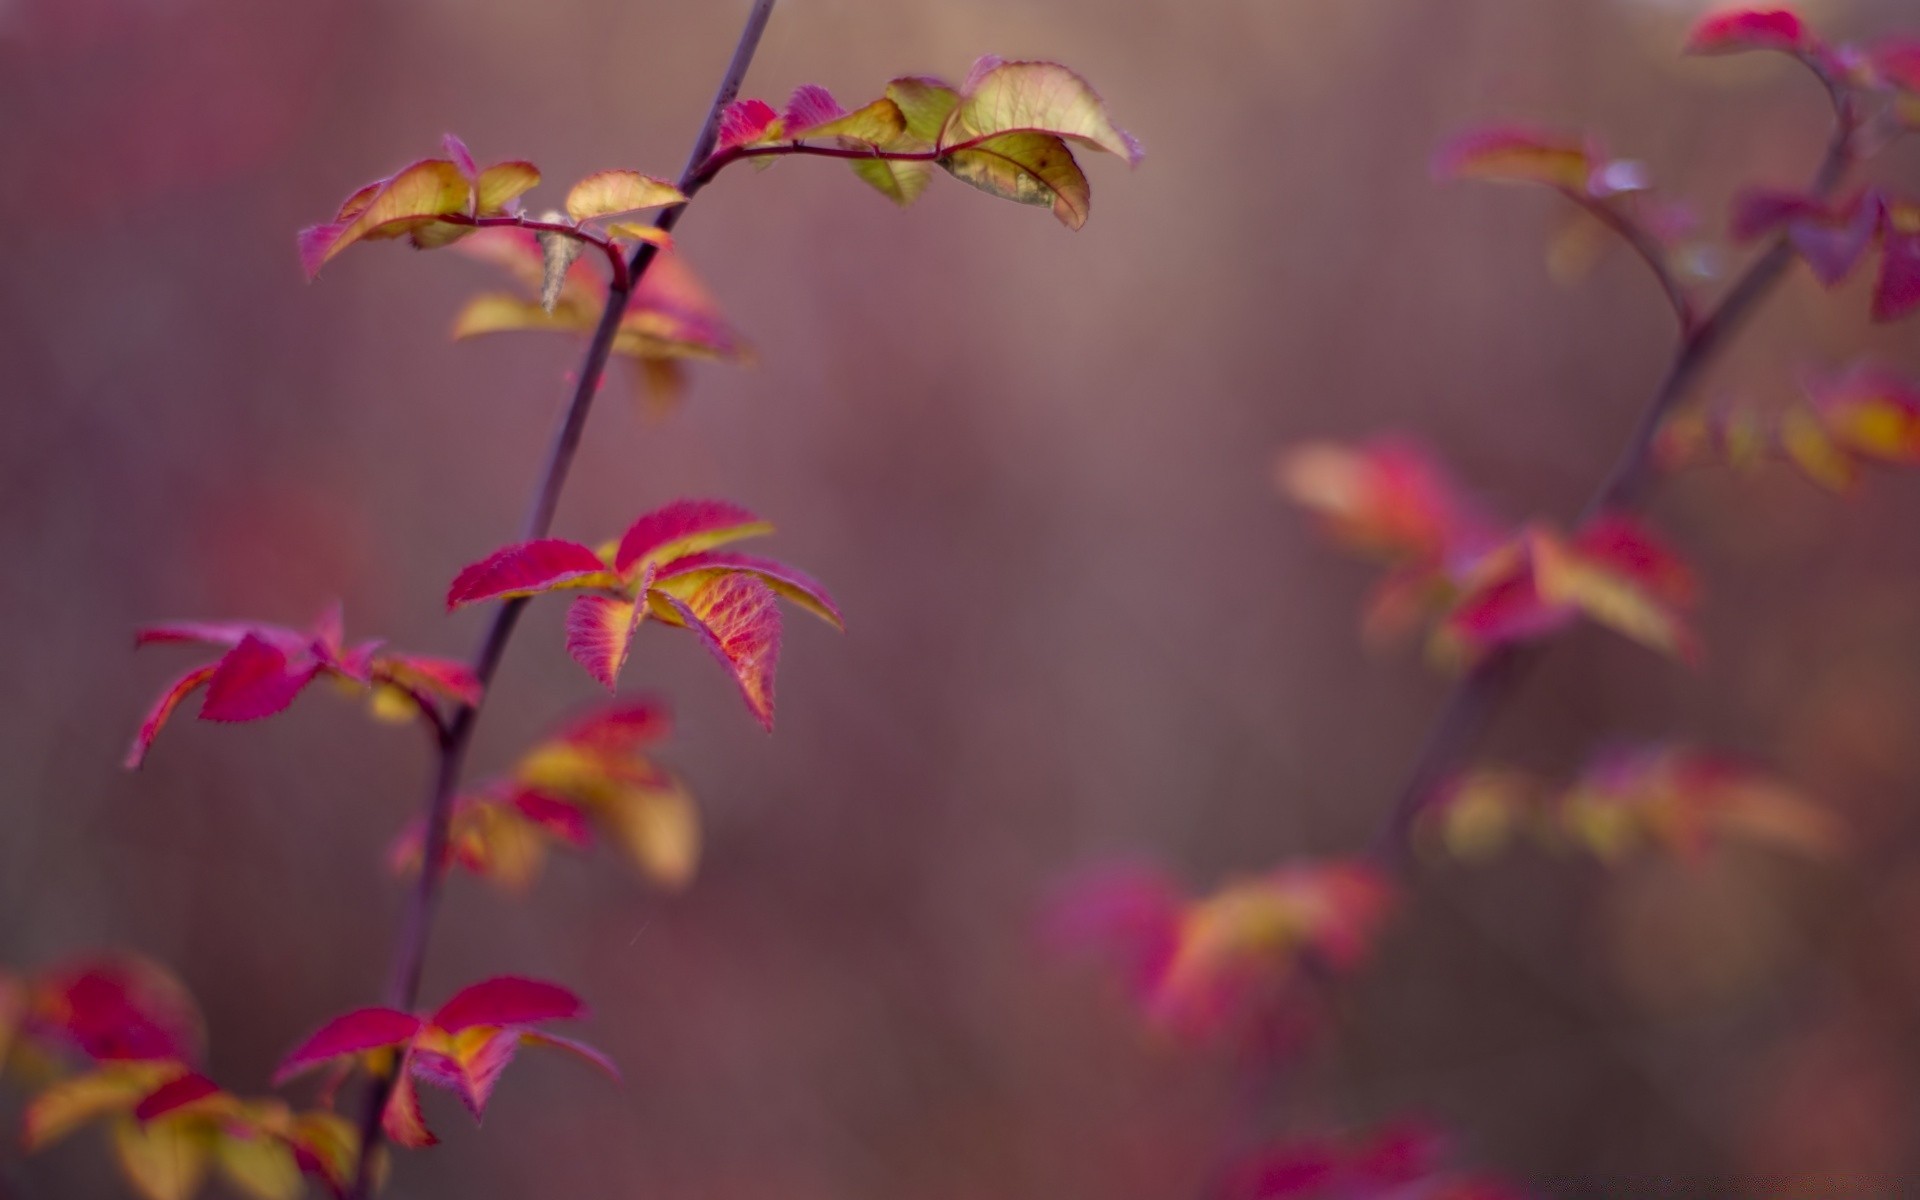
744 122
600 633
580 1050
688 573
659 831
555 815
604 193
1871 412
681 528
1832 244
67 1105
254 680
809 106
629 231
626 729
262 1166
352 1033
1032 98
1476 815
1027 168
1512 154
1811 448
1627 583
558 252
458 153
1388 498
1897 292
426 189
326 1146
527 569
482 1055
924 104
876 124
173 1095
163 1161
900 181
170 699
502 183
736 617
120 1007
508 1000
402 1118
1744 29
436 677
497 312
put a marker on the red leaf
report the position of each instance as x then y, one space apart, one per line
180 689
175 1094
212 633
254 680
508 1000
796 586
353 1033
744 122
1628 548
621 730
1898 291
1898 61
1749 29
737 619
523 570
123 1007
560 817
435 676
684 527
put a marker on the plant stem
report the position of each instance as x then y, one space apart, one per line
1476 697
410 950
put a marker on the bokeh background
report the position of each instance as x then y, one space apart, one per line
1035 468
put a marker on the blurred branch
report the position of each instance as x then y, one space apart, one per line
410 950
1476 697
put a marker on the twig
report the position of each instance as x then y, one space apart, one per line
410 950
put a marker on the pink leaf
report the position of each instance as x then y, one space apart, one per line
600 633
352 1033
508 1000
482 1068
435 676
212 633
1833 244
180 689
796 586
1898 291
736 617
684 527
744 122
1749 29
1760 211
810 105
254 680
461 156
536 1037
523 570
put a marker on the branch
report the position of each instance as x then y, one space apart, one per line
1477 696
410 950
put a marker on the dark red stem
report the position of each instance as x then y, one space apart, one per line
410 950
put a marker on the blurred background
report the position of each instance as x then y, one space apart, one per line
1035 468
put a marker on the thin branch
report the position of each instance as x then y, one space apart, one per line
410 950
1475 698
1650 251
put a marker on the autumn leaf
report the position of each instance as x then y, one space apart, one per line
735 617
606 193
1514 154
1744 29
389 208
527 569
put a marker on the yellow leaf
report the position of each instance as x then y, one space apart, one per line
1810 447
1029 168
1033 97
878 124
411 198
71 1103
1562 576
629 231
924 105
497 312
501 183
607 192
897 180
259 1164
164 1160
659 829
